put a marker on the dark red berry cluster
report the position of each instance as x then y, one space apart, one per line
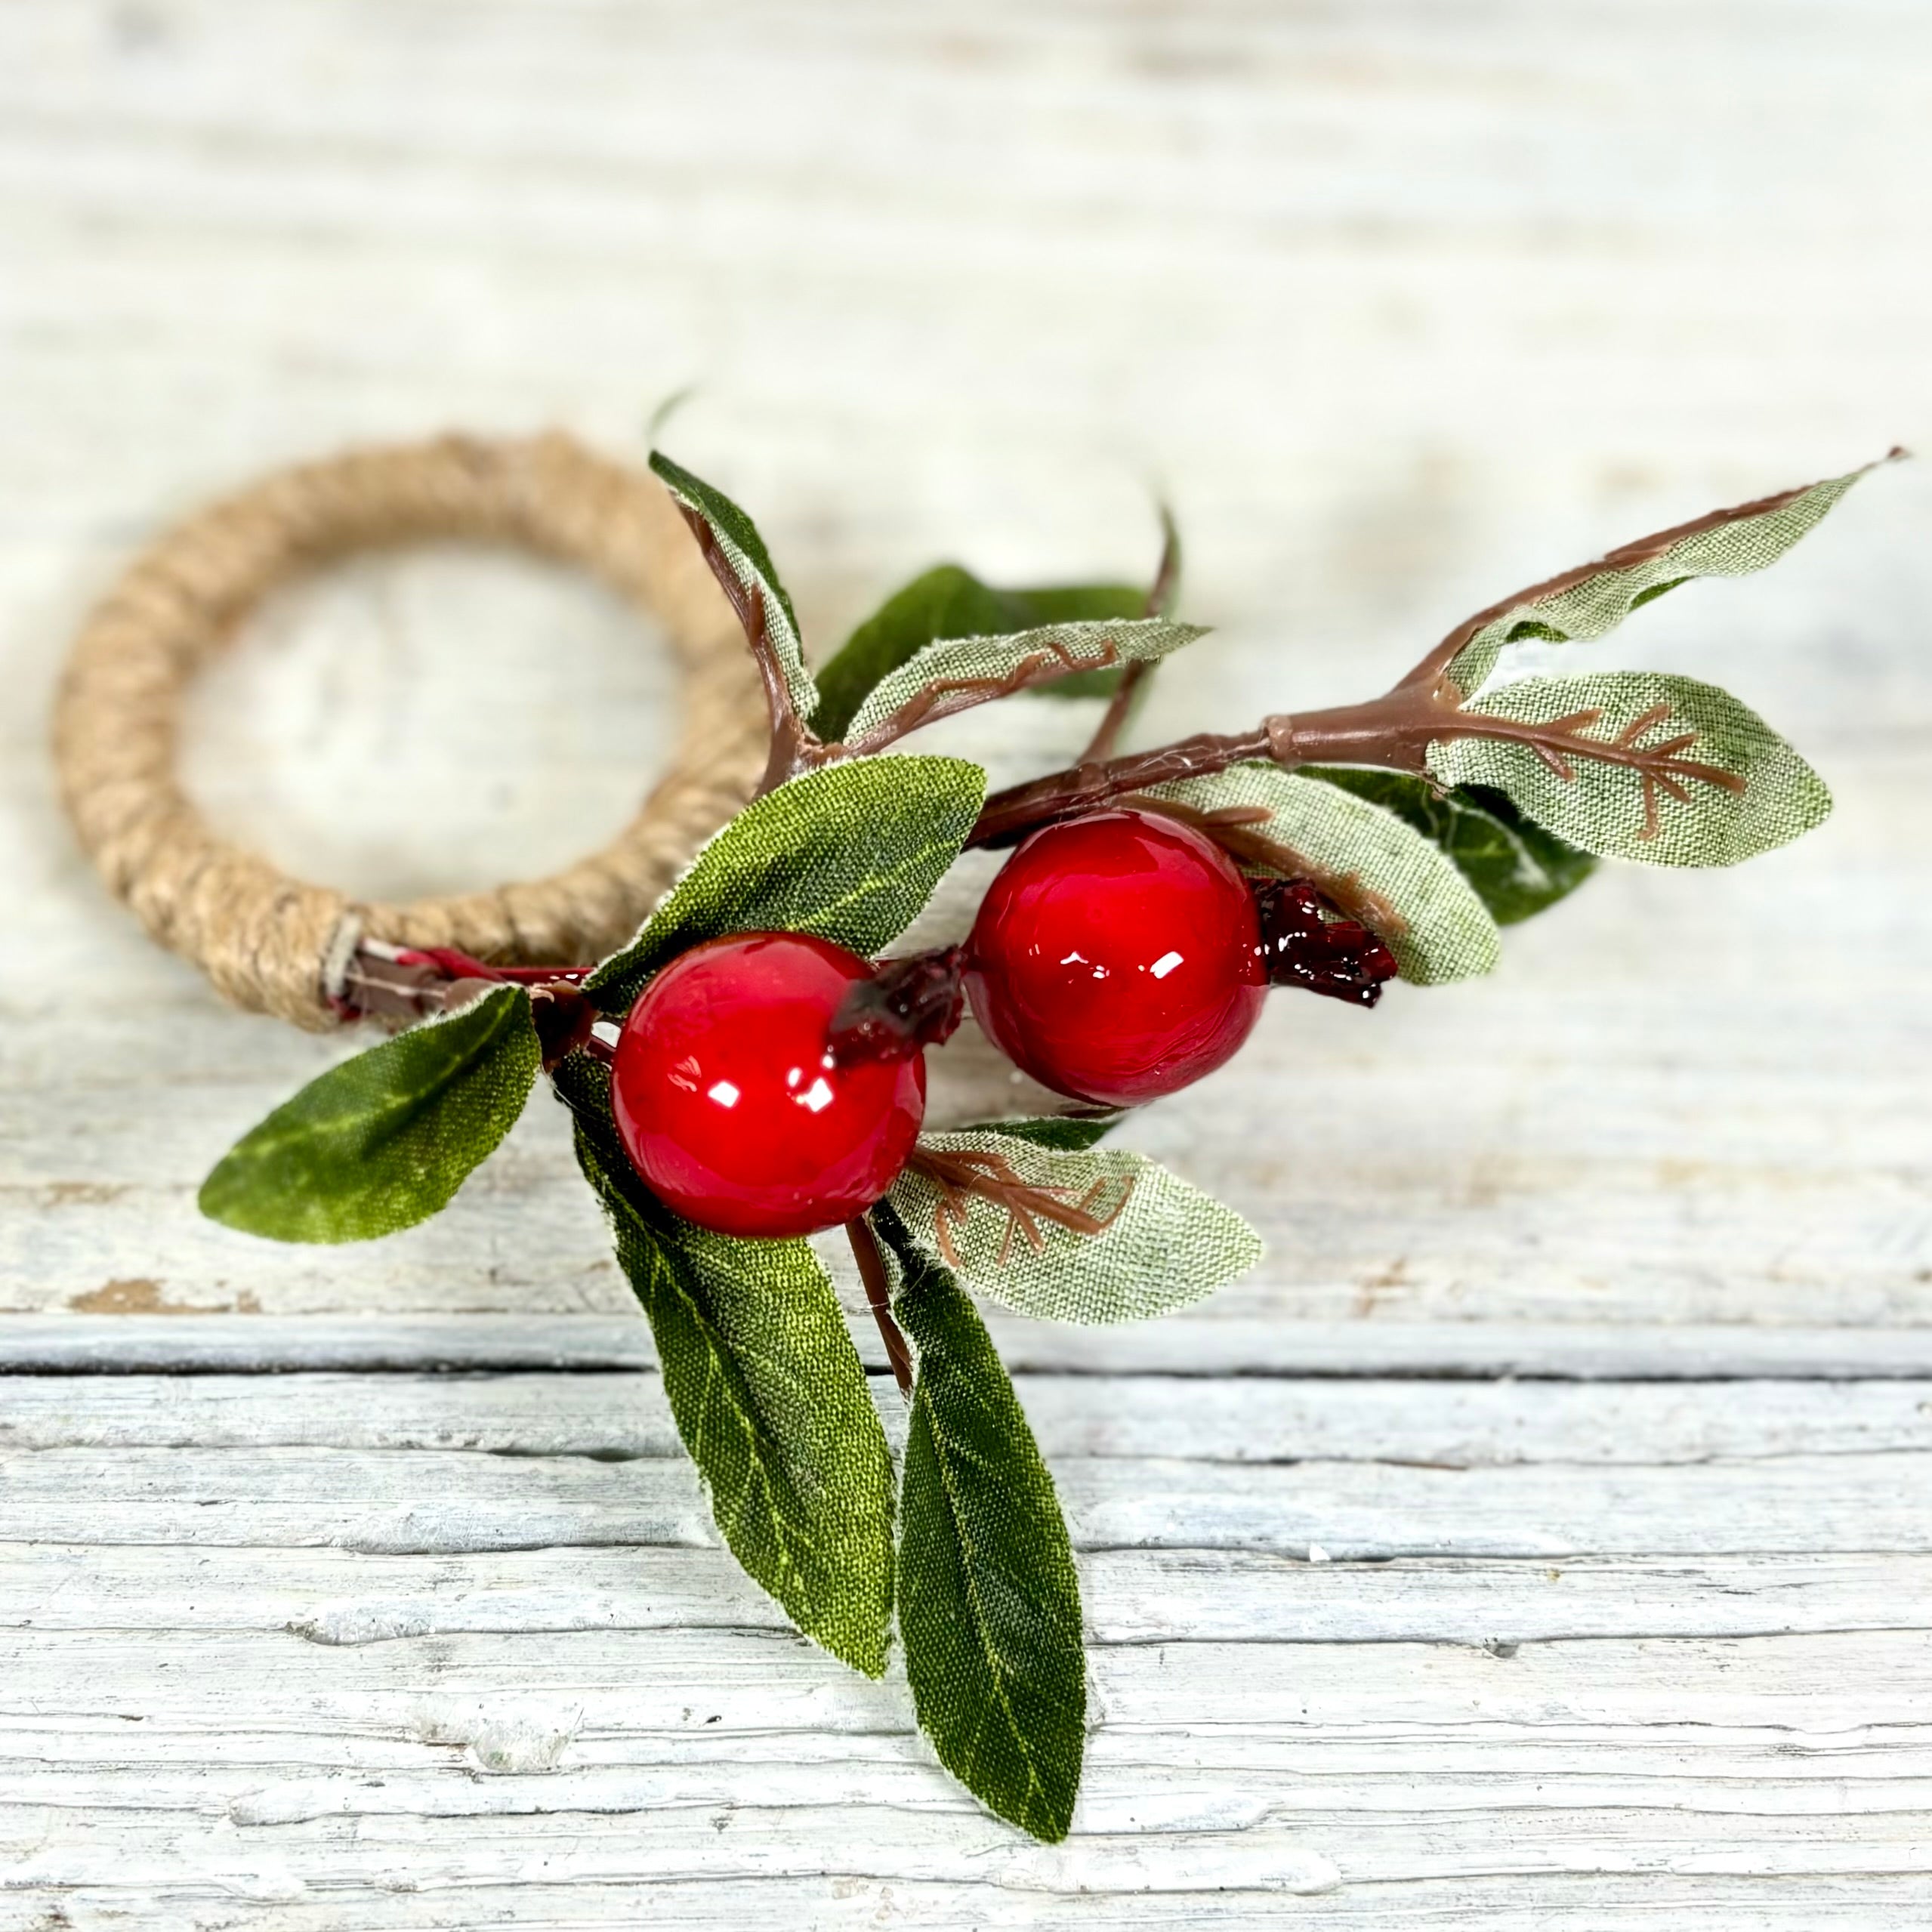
772 1084
1304 945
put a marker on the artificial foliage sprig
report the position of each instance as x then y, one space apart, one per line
749 1069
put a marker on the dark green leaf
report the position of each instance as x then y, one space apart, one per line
1066 1133
851 853
767 1390
744 550
948 602
1516 868
383 1141
989 1603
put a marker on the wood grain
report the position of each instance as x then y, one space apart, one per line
1540 1538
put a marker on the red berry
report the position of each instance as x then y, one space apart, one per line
1117 958
729 1102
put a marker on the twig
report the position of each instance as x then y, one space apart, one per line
1160 600
1393 732
879 1293
965 1174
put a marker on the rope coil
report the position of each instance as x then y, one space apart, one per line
273 944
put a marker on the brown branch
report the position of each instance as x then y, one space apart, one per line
964 1175
1393 731
1009 816
1159 604
878 1295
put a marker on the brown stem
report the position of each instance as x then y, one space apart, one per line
1393 732
966 1174
1009 816
407 983
879 1293
1160 600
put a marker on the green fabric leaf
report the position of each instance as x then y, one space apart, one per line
1616 810
384 1140
961 665
947 601
988 1603
1516 868
851 852
1596 597
1169 1244
1066 1133
1086 603
744 550
767 1392
1369 861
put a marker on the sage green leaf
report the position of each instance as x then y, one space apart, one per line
1660 811
1066 1133
384 1140
947 601
988 1603
1518 869
750 562
956 673
1596 598
1087 604
1375 866
767 1392
1166 1243
850 852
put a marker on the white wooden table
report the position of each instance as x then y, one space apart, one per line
1543 1537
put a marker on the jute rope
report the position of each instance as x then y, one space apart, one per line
273 943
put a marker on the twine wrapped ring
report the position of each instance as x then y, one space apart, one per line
277 945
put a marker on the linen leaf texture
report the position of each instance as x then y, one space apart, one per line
1596 598
744 551
850 852
1732 788
383 1141
767 1392
1164 1243
1517 868
1375 866
947 601
954 674
988 1602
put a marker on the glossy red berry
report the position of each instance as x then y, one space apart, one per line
1117 958
730 1105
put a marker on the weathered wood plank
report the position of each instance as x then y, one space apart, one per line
1216 1344
331 1596
616 1415
404 1502
1645 1901
1221 1753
